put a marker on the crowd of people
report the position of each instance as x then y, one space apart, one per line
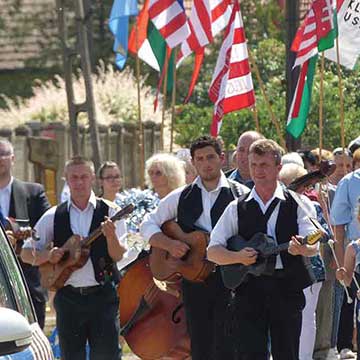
297 308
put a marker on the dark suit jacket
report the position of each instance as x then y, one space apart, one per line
29 201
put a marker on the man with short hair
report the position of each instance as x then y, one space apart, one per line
87 307
242 173
24 201
273 302
198 206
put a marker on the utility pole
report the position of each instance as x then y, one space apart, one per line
82 49
292 22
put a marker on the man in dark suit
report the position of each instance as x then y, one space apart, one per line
24 201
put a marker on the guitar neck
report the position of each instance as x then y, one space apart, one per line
97 232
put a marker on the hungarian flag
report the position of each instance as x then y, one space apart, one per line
169 18
231 87
317 33
146 41
349 34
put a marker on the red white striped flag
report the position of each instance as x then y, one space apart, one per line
231 88
207 19
169 18
317 24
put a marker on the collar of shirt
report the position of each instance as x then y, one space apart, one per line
7 188
91 202
278 193
223 182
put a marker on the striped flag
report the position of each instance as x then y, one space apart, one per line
231 87
169 18
317 33
207 19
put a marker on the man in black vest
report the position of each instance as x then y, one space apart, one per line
87 306
270 303
198 206
25 201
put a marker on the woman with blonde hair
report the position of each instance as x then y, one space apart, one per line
164 173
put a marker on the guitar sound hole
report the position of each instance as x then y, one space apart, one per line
65 256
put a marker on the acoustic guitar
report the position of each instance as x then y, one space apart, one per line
234 275
54 276
193 266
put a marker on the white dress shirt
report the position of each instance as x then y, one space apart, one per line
227 226
5 194
80 222
167 209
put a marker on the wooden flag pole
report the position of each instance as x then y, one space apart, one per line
262 88
141 129
256 118
173 101
341 95
321 103
166 64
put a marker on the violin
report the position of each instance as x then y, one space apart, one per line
18 230
326 168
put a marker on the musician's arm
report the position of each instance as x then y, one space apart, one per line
150 228
226 227
115 234
305 228
36 252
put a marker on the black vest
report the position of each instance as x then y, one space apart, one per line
190 205
298 271
104 267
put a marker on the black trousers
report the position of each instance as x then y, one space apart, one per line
265 306
205 305
93 318
346 324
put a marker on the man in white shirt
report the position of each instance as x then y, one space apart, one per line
198 206
87 306
269 302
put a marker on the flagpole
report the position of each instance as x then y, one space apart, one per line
164 102
256 118
341 95
141 130
262 88
173 101
321 103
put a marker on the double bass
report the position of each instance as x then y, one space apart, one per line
152 321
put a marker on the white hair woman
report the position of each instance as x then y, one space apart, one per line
164 173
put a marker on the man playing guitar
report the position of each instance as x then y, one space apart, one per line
198 206
270 303
87 306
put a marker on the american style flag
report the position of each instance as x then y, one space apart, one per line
317 24
231 88
169 17
207 19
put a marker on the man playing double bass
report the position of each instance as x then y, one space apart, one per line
198 206
87 306
270 303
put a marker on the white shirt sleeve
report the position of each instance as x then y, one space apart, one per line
44 229
166 210
120 228
226 227
304 224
